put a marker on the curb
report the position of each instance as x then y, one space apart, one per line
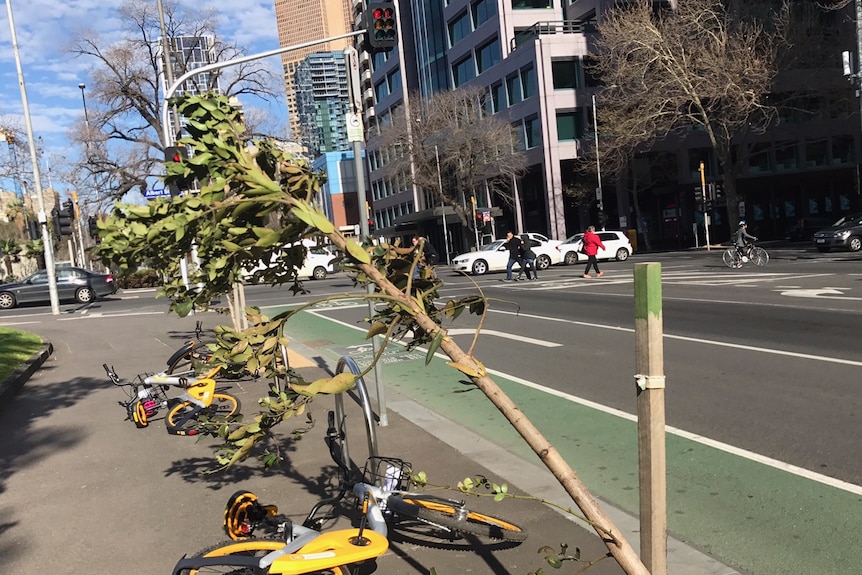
19 377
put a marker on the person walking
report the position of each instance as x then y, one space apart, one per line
592 243
528 259
513 244
429 257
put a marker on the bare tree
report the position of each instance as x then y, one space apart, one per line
122 137
451 148
705 68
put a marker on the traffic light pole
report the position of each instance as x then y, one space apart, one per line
169 93
47 244
167 136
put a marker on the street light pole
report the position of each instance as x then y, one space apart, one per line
442 204
47 245
598 162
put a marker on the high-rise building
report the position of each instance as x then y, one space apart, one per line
189 53
301 21
322 101
532 57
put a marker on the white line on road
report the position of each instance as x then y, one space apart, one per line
693 339
787 467
506 335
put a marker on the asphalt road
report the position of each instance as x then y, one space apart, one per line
761 365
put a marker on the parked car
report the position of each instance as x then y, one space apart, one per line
804 228
78 284
493 257
844 234
617 247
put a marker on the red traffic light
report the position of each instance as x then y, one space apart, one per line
381 25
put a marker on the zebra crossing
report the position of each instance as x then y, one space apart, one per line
682 277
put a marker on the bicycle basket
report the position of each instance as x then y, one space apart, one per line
388 472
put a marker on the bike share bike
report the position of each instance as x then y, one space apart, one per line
263 541
199 402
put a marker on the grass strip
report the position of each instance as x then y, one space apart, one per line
16 347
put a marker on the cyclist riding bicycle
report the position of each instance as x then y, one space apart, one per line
742 239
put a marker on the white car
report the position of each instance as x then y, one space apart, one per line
493 257
317 264
617 247
543 239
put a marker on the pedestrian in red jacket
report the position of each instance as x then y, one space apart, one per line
592 243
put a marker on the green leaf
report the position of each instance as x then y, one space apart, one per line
432 349
377 328
357 252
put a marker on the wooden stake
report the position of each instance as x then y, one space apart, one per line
652 472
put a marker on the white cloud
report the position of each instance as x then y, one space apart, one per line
44 28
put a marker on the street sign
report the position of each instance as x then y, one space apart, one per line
354 128
150 194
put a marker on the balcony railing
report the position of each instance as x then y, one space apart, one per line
557 27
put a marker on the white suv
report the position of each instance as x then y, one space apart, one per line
617 247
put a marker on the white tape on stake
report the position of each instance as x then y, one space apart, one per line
650 381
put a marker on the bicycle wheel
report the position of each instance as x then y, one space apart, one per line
188 359
182 418
247 551
139 415
730 258
759 256
455 518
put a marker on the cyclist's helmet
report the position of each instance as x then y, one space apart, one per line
741 223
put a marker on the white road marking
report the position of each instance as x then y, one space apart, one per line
762 459
506 335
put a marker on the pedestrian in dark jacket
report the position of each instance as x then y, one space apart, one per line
528 259
513 244
592 243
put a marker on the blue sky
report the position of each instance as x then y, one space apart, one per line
51 76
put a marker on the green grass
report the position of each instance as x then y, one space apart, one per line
16 347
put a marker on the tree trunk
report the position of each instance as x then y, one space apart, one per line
636 196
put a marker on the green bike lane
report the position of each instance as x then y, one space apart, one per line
754 517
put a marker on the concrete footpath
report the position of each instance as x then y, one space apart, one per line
83 491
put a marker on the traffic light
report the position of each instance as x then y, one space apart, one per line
33 230
63 220
380 25
698 195
177 182
93 227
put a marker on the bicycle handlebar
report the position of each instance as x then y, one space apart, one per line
115 379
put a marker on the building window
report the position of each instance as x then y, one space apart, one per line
381 90
528 81
498 98
590 79
513 89
379 59
569 126
566 74
842 150
394 81
816 153
786 156
483 10
532 4
488 55
758 160
463 71
533 132
459 28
